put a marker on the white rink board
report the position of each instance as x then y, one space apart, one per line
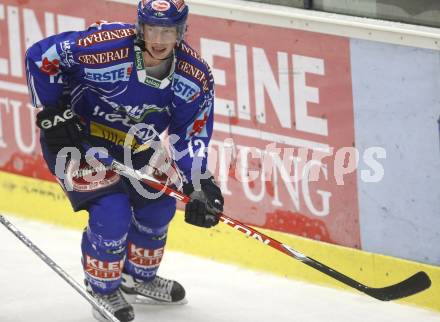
31 291
397 107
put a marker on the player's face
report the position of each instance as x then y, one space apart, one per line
160 41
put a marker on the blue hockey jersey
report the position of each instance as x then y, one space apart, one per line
103 71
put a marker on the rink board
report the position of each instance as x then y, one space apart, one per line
386 75
45 201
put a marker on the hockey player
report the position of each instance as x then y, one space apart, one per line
94 86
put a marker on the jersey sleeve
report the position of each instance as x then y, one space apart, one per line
55 63
48 62
191 125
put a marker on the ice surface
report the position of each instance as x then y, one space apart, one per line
31 291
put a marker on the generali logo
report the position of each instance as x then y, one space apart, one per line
194 72
104 36
104 57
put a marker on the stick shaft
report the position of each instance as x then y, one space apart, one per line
412 285
57 269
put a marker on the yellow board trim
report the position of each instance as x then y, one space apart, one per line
45 201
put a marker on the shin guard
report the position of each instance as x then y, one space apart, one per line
145 250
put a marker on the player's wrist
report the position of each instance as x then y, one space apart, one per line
197 184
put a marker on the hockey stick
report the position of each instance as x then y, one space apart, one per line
410 286
57 269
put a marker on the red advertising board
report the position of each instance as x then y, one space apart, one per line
284 114
286 94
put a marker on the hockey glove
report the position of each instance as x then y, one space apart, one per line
60 127
205 205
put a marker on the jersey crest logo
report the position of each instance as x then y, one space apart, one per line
136 113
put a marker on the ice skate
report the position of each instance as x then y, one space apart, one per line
115 303
158 291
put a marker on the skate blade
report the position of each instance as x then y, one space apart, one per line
139 299
98 316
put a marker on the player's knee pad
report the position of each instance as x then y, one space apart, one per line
110 215
155 213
